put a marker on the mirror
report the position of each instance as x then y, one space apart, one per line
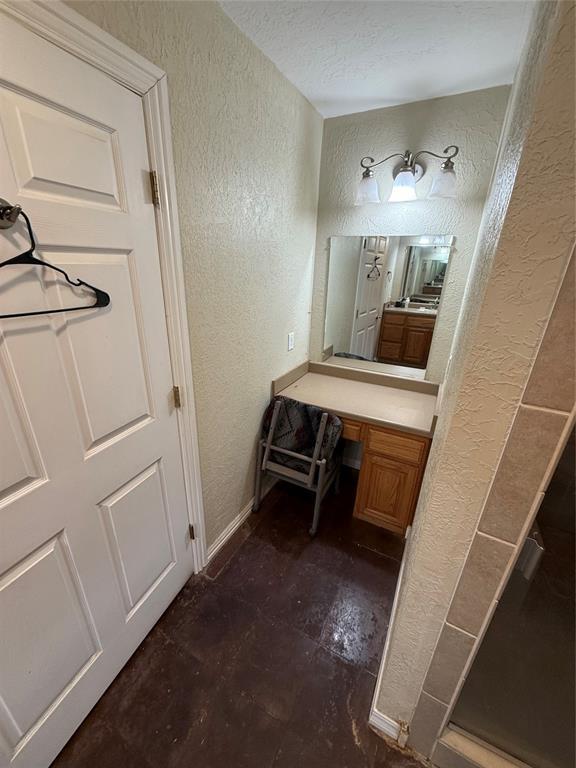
383 303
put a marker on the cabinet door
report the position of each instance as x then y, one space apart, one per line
417 343
390 352
387 492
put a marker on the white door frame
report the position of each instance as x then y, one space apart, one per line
67 29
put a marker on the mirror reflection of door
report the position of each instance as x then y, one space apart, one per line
383 299
369 297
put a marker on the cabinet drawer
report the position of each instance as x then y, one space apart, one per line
352 429
391 332
389 350
394 318
402 447
420 322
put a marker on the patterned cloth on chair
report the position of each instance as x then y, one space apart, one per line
350 356
297 429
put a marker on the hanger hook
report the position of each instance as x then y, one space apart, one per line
8 214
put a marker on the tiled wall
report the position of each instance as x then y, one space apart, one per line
538 435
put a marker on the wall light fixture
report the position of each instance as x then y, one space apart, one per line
406 175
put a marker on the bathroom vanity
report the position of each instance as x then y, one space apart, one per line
406 336
392 418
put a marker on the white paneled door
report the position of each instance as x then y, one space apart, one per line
94 539
369 296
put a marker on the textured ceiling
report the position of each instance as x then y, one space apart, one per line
352 56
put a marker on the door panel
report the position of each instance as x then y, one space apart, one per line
62 155
111 401
139 535
94 537
386 492
416 346
390 351
20 462
43 597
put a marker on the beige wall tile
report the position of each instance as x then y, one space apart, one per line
531 444
551 382
445 757
426 723
448 663
483 570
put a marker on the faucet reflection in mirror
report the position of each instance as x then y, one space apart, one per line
406 175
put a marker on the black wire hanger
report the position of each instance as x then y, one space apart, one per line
102 299
374 273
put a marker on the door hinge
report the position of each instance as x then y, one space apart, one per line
191 532
177 397
154 189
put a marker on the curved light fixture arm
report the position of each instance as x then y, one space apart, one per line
372 164
448 154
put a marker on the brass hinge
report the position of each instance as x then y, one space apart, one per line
191 531
177 397
154 188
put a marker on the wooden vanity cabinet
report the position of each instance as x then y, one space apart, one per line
405 338
393 463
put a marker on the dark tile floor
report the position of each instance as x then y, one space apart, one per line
266 661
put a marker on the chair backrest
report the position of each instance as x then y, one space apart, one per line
302 434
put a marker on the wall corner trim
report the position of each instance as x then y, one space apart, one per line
384 724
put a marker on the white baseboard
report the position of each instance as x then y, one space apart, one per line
384 724
230 529
233 526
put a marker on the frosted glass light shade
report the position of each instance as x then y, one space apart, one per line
404 188
367 191
444 184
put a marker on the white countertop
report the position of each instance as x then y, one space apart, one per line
402 371
412 311
388 406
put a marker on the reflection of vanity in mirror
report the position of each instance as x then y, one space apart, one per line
383 301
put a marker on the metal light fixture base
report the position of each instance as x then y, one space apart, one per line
418 171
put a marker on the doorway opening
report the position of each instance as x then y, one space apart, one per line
519 693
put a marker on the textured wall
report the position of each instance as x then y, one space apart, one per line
518 266
247 154
472 121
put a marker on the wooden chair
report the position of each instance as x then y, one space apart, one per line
298 444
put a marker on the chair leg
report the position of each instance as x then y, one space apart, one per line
318 502
259 473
